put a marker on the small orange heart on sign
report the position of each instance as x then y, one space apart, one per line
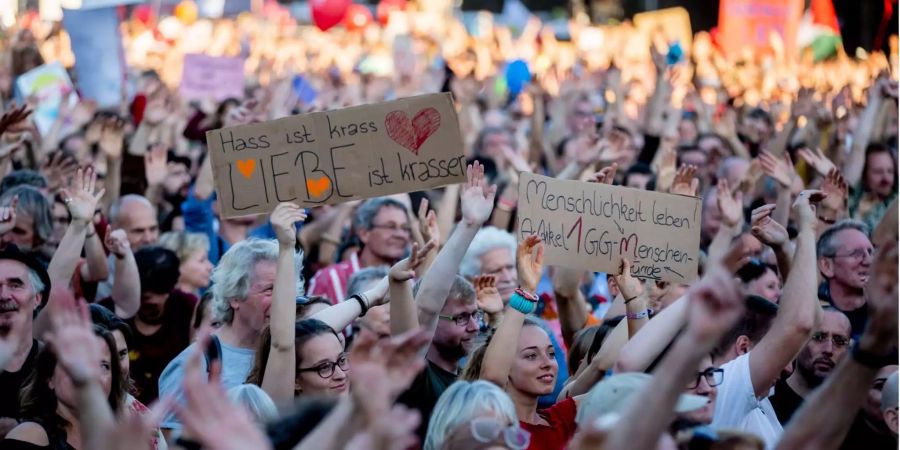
246 166
318 186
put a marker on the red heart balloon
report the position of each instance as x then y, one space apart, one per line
328 13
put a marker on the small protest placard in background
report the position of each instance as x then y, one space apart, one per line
589 225
331 157
216 77
50 85
99 58
747 24
673 23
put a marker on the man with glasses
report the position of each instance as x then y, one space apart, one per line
844 254
825 350
382 227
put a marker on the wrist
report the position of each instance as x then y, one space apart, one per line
523 301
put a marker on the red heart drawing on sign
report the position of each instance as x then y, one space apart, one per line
412 133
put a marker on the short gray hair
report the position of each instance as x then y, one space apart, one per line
360 281
184 243
255 400
828 245
487 239
35 204
365 214
116 208
231 277
462 402
889 393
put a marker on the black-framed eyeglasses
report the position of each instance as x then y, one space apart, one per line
393 227
836 339
326 369
714 377
464 318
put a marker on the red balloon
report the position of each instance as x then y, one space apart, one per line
358 16
143 14
328 13
383 11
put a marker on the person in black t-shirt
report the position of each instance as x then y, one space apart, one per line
844 254
24 287
869 430
826 349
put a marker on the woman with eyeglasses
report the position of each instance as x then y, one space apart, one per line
465 402
520 358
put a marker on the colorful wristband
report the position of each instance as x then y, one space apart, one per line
521 302
641 315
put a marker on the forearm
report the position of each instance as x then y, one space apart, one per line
154 193
654 118
571 171
652 410
500 353
799 308
536 136
204 186
642 349
94 414
340 315
403 308
65 259
437 282
721 242
113 182
126 289
96 267
784 254
779 144
280 375
853 170
329 433
636 307
446 213
573 314
782 212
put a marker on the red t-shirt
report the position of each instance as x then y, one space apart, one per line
561 428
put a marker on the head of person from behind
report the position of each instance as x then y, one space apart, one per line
159 272
748 331
34 218
458 324
889 403
464 402
382 226
137 216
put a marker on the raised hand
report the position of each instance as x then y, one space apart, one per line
529 263
58 169
766 229
836 191
81 199
805 208
8 216
405 269
74 343
606 175
753 174
117 243
630 286
384 368
11 119
476 198
715 305
208 415
283 219
686 181
731 205
665 166
780 169
817 160
881 296
130 426
486 294
155 164
112 137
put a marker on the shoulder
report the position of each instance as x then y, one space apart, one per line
563 411
174 370
31 432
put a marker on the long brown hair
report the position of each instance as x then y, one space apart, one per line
39 401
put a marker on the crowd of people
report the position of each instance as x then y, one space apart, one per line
134 315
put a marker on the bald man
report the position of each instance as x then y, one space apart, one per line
136 216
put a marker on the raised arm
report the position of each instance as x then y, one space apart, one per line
636 298
477 201
500 353
862 135
126 288
341 315
645 346
714 306
81 201
96 268
815 425
798 312
771 233
403 306
573 309
281 368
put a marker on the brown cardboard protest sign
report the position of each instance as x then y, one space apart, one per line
589 225
337 156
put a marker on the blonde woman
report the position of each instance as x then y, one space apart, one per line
192 250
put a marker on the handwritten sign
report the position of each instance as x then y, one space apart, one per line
212 77
589 225
748 23
338 156
50 86
99 58
673 23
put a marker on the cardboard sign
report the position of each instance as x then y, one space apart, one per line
215 77
673 23
50 85
337 156
99 58
589 225
747 24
